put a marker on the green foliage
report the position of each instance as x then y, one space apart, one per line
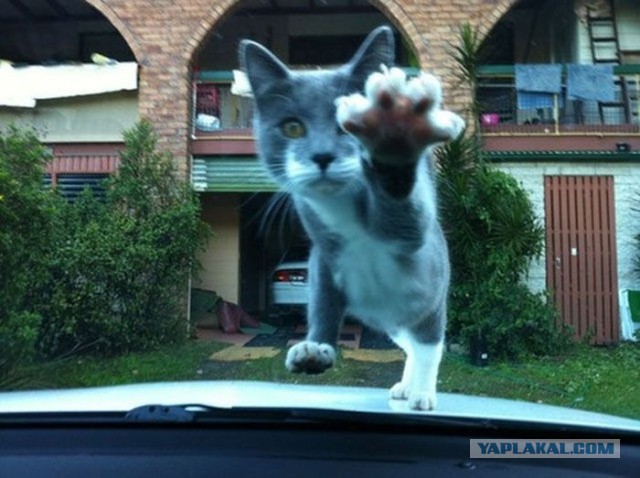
95 277
636 238
25 226
489 219
467 55
493 236
514 322
119 270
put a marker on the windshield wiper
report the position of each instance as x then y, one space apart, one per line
160 414
190 413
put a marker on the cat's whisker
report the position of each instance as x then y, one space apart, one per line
271 211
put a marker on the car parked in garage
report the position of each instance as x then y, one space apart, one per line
290 285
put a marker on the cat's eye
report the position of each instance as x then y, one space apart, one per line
293 129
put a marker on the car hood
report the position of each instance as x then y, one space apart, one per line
241 394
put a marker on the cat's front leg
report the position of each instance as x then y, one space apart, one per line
398 118
325 314
310 357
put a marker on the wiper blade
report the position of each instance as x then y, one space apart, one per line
189 413
160 414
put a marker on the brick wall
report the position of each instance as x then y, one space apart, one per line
166 34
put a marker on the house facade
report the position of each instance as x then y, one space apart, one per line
572 155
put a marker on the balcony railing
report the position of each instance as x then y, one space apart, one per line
500 114
216 110
219 113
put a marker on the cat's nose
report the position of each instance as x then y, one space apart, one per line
323 160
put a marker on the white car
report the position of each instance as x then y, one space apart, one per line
289 289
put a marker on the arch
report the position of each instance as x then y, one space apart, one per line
118 24
487 21
209 21
394 11
391 9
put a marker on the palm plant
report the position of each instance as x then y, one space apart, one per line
467 56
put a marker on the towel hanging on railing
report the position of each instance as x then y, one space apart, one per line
536 85
591 82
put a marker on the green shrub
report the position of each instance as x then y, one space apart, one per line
489 220
513 321
119 270
493 235
26 211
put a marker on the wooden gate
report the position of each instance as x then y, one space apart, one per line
581 260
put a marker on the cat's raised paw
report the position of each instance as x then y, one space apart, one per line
310 357
397 118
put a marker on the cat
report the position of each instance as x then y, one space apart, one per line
353 148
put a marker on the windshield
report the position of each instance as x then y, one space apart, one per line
251 196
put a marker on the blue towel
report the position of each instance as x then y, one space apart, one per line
591 82
539 78
531 101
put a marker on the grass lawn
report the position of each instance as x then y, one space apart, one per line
592 378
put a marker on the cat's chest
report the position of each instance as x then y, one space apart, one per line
377 284
369 270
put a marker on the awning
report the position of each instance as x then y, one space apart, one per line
555 156
230 174
23 86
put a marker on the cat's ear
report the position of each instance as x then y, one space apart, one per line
377 49
261 66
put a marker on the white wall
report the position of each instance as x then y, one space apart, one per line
626 194
220 260
96 118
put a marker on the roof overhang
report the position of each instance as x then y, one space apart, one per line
23 86
562 156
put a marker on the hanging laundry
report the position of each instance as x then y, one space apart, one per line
591 82
536 85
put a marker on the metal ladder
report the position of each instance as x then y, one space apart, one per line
605 49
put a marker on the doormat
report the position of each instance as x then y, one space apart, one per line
263 329
286 336
278 338
372 355
372 339
237 353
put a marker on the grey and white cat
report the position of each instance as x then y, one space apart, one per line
353 148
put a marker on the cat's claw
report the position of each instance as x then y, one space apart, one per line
310 357
397 119
423 400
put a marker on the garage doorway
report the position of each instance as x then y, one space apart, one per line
266 235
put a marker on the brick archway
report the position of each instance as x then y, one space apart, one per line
118 24
391 9
488 21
